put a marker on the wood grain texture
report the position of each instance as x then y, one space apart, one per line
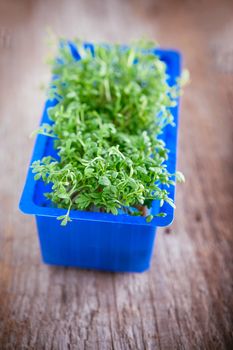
186 300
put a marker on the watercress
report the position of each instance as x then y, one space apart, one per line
112 107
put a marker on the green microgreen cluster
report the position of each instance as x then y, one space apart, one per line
112 107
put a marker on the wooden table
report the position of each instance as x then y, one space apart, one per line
186 300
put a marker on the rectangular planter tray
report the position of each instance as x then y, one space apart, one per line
94 240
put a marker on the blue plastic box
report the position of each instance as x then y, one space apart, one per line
99 240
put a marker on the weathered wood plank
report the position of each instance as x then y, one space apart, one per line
186 300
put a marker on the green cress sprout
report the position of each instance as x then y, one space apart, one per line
112 108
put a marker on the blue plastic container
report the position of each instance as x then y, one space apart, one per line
99 240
